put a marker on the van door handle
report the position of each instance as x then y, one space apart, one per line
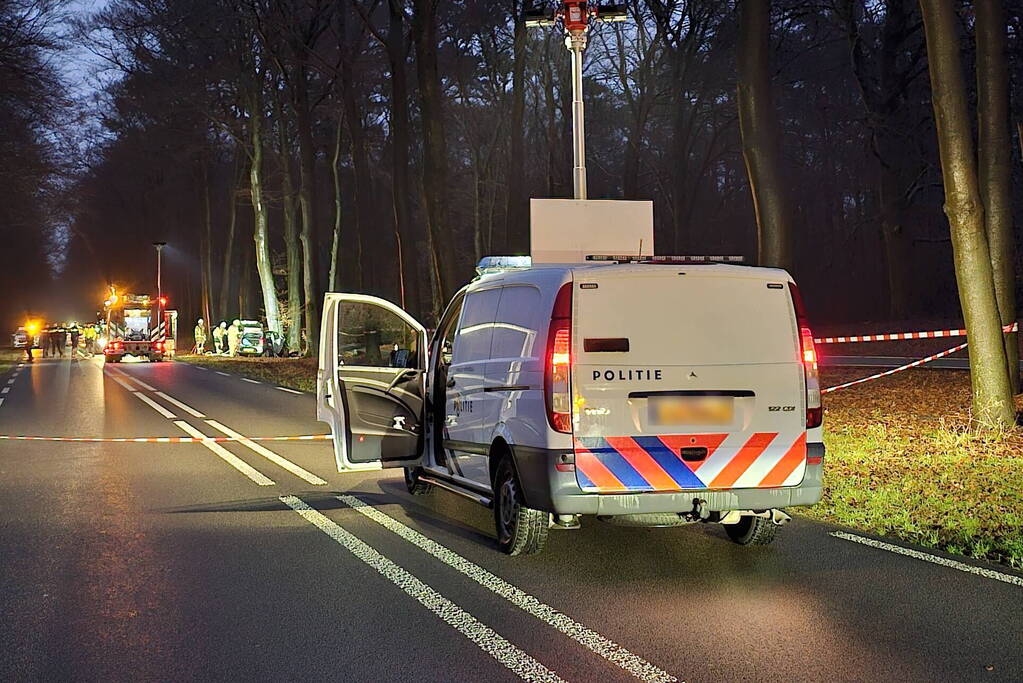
451 382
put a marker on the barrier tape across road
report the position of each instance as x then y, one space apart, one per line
165 439
896 336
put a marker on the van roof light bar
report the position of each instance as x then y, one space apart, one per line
499 264
669 260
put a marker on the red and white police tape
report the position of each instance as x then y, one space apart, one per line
896 336
907 366
165 439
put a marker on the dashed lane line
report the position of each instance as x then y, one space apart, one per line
609 650
250 381
933 559
188 409
225 374
142 384
227 456
269 455
484 637
5 390
155 406
290 391
121 382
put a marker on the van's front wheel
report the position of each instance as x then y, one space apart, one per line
520 530
752 531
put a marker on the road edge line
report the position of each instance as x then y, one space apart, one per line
928 557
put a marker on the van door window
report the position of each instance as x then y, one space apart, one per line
370 336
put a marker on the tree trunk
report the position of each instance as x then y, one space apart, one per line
335 171
994 156
207 239
292 248
307 202
364 191
447 262
989 376
244 282
758 125
227 270
410 293
515 237
261 233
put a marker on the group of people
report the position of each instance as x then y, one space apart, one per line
226 338
53 340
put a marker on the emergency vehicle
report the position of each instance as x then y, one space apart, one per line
643 390
133 328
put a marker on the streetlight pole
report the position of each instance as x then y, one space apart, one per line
159 283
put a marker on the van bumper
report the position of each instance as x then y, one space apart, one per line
545 488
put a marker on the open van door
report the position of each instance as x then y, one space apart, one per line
370 382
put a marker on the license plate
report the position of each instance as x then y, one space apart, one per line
690 410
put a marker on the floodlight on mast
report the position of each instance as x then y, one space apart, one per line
575 17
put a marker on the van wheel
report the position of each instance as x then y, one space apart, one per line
520 530
752 531
414 485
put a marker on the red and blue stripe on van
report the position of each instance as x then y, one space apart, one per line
654 463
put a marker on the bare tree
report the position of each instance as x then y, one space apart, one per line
994 156
992 391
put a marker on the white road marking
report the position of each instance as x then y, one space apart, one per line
188 409
5 390
10 381
268 454
155 406
469 626
290 391
225 455
1 401
251 381
142 384
609 650
933 559
121 382
225 374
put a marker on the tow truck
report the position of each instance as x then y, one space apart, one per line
134 328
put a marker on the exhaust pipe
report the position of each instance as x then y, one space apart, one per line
779 517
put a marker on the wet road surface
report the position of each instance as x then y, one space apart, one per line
187 561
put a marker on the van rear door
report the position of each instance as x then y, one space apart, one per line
686 377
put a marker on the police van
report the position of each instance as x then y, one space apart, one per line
645 391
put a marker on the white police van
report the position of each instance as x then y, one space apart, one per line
651 391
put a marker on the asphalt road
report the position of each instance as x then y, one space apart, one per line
174 562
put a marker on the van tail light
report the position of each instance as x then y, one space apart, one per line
558 366
808 355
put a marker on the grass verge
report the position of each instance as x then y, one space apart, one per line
902 461
293 373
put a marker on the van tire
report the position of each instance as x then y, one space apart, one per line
414 484
752 531
520 530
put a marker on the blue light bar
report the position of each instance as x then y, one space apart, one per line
497 264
